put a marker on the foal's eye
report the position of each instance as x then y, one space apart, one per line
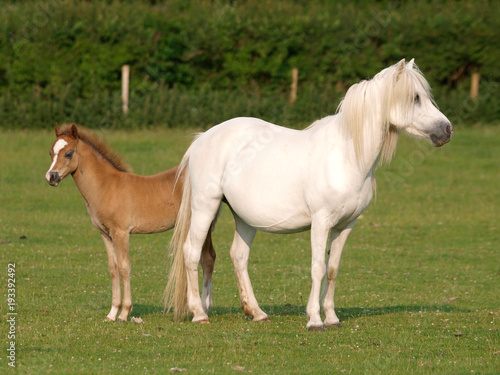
69 154
417 99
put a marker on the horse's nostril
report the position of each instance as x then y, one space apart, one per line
448 130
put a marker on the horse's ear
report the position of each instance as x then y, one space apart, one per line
400 68
57 129
411 64
74 131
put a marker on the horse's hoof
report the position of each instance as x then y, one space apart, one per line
108 319
333 325
120 320
203 321
265 319
316 328
200 318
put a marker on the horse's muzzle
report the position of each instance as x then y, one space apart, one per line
53 178
442 135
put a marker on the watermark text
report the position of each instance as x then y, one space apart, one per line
11 314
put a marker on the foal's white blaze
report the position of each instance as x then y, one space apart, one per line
59 145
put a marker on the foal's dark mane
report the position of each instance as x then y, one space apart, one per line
97 144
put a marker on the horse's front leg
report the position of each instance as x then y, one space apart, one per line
207 263
337 242
319 235
116 300
121 243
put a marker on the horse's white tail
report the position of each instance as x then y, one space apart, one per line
175 294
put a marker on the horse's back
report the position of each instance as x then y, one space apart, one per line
231 135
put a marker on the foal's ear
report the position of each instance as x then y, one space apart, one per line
400 68
74 131
58 130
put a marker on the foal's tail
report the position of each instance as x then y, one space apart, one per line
175 294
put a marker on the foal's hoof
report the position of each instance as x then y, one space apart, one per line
333 325
120 320
108 319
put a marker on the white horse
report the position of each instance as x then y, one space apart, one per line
280 180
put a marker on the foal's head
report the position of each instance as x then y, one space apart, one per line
64 155
67 152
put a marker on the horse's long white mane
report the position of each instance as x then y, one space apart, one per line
384 101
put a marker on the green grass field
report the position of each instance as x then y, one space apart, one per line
418 290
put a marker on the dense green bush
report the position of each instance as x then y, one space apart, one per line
201 62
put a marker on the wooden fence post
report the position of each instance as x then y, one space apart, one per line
474 84
125 87
293 88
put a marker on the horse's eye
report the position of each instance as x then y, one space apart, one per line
69 154
417 99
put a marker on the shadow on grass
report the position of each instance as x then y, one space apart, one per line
359 312
287 309
145 310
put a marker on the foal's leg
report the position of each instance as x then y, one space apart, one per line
116 300
319 235
240 252
121 241
337 239
207 263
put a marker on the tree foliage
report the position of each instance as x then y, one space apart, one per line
61 59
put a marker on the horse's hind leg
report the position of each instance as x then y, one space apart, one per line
116 300
201 220
207 263
240 252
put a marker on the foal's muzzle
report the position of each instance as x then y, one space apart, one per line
442 134
53 178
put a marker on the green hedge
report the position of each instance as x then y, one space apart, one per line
201 62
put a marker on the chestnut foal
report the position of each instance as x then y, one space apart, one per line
120 203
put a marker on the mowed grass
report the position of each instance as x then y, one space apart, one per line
418 290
